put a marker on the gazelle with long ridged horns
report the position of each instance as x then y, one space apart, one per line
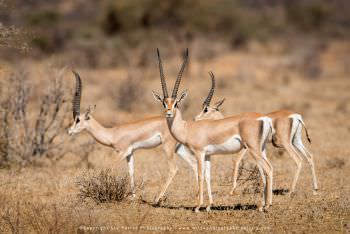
208 137
143 134
126 138
207 112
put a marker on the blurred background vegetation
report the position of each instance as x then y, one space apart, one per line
104 33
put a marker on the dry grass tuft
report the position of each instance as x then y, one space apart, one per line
39 217
336 163
249 178
103 186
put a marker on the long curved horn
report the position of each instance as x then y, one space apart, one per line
77 95
211 91
162 77
178 80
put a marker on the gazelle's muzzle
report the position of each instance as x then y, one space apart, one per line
70 132
169 113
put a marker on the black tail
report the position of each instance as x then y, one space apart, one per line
274 142
307 134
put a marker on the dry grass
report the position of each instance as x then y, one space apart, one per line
249 178
31 134
24 217
44 199
103 187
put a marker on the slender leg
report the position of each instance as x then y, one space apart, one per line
298 144
270 184
269 171
130 160
263 177
313 171
235 172
200 160
207 179
189 158
298 162
271 178
169 150
264 164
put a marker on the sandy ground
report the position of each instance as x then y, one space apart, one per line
44 199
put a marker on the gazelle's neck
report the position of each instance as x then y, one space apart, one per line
178 127
101 134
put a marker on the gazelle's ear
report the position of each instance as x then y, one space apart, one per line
89 111
92 109
157 97
182 96
218 104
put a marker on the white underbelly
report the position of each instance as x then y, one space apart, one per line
232 145
151 142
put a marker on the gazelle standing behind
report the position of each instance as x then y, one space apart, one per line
208 137
288 135
288 127
208 111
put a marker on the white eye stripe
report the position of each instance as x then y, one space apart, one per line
172 105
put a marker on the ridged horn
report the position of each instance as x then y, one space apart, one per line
162 77
77 95
211 91
178 80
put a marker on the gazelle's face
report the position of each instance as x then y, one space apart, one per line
81 122
170 104
211 112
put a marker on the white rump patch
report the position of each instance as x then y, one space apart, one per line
295 116
267 127
232 145
295 124
264 118
268 120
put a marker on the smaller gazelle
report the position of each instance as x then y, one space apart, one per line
210 111
288 127
208 137
288 135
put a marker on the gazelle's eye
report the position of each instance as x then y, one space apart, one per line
77 121
205 110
